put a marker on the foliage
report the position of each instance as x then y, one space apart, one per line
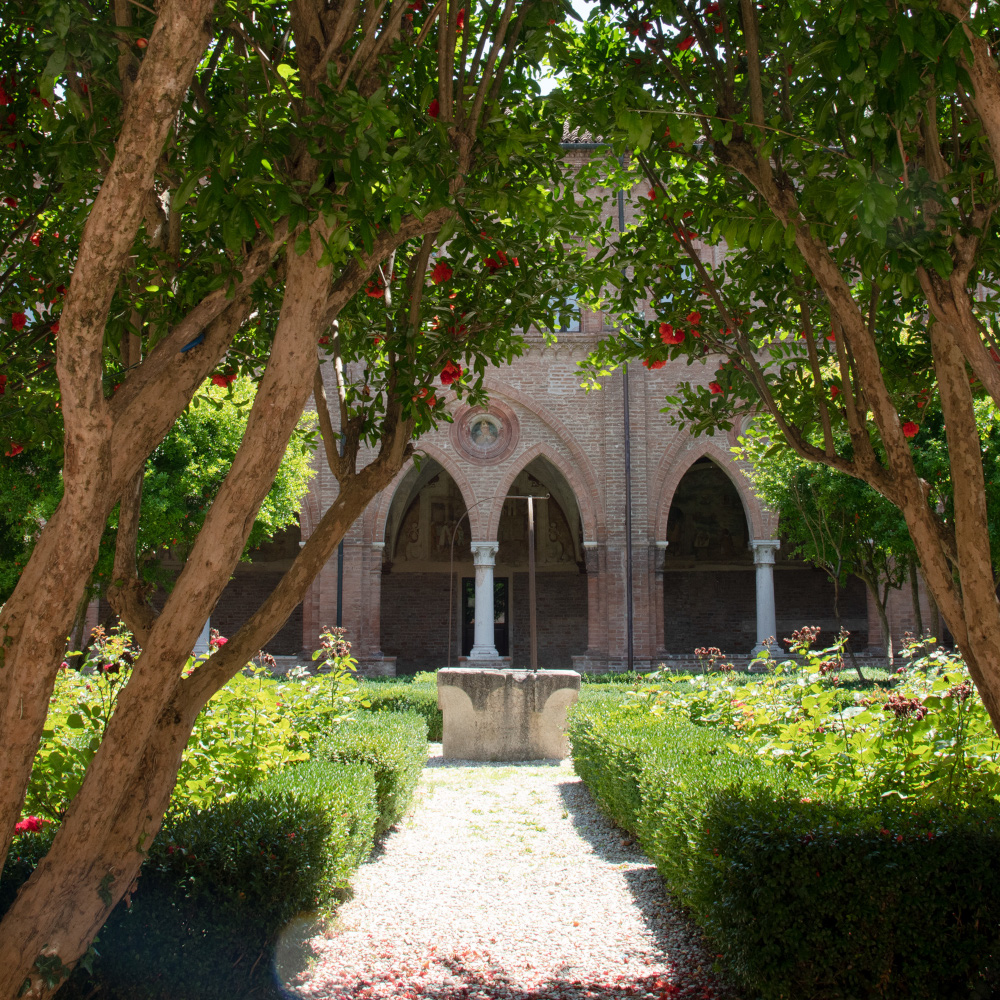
802 891
249 729
222 883
924 735
181 479
815 238
420 698
394 744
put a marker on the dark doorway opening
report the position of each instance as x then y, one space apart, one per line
501 618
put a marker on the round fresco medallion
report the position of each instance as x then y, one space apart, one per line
485 436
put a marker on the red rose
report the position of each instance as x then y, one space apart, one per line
434 108
17 320
14 449
31 823
450 373
686 44
910 429
441 273
715 388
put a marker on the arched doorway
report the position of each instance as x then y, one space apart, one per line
709 578
709 592
427 507
560 573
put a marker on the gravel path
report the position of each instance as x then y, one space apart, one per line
504 881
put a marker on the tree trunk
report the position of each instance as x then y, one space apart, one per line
883 620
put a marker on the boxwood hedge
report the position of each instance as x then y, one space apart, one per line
804 896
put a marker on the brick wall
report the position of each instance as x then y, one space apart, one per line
415 620
561 613
248 589
719 608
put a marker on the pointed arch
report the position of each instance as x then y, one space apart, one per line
584 504
375 528
584 480
668 477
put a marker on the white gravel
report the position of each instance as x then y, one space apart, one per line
505 881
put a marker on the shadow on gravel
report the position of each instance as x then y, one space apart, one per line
616 846
495 986
442 762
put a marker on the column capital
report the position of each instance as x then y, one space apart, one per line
484 553
764 550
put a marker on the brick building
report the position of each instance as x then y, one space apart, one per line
707 568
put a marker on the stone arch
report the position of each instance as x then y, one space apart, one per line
584 481
309 510
377 526
671 471
583 499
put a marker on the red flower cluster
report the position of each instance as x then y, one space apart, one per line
10 202
31 824
460 22
375 289
224 381
217 641
904 707
14 449
684 45
17 320
451 373
441 273
426 394
910 429
653 365
3 384
434 108
36 237
494 264
669 335
715 388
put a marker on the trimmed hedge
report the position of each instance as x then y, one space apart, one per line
221 884
402 697
804 898
394 745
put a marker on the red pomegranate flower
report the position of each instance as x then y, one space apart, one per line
17 320
834 391
14 449
10 202
36 237
451 373
653 365
375 289
141 43
434 108
694 318
715 388
910 429
31 824
686 44
669 335
460 23
441 273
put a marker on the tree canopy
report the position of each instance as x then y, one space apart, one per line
818 240
365 202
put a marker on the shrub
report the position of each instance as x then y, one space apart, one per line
419 698
220 884
394 745
804 896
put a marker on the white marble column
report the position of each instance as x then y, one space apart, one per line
763 558
484 556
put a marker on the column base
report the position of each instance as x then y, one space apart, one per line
495 662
